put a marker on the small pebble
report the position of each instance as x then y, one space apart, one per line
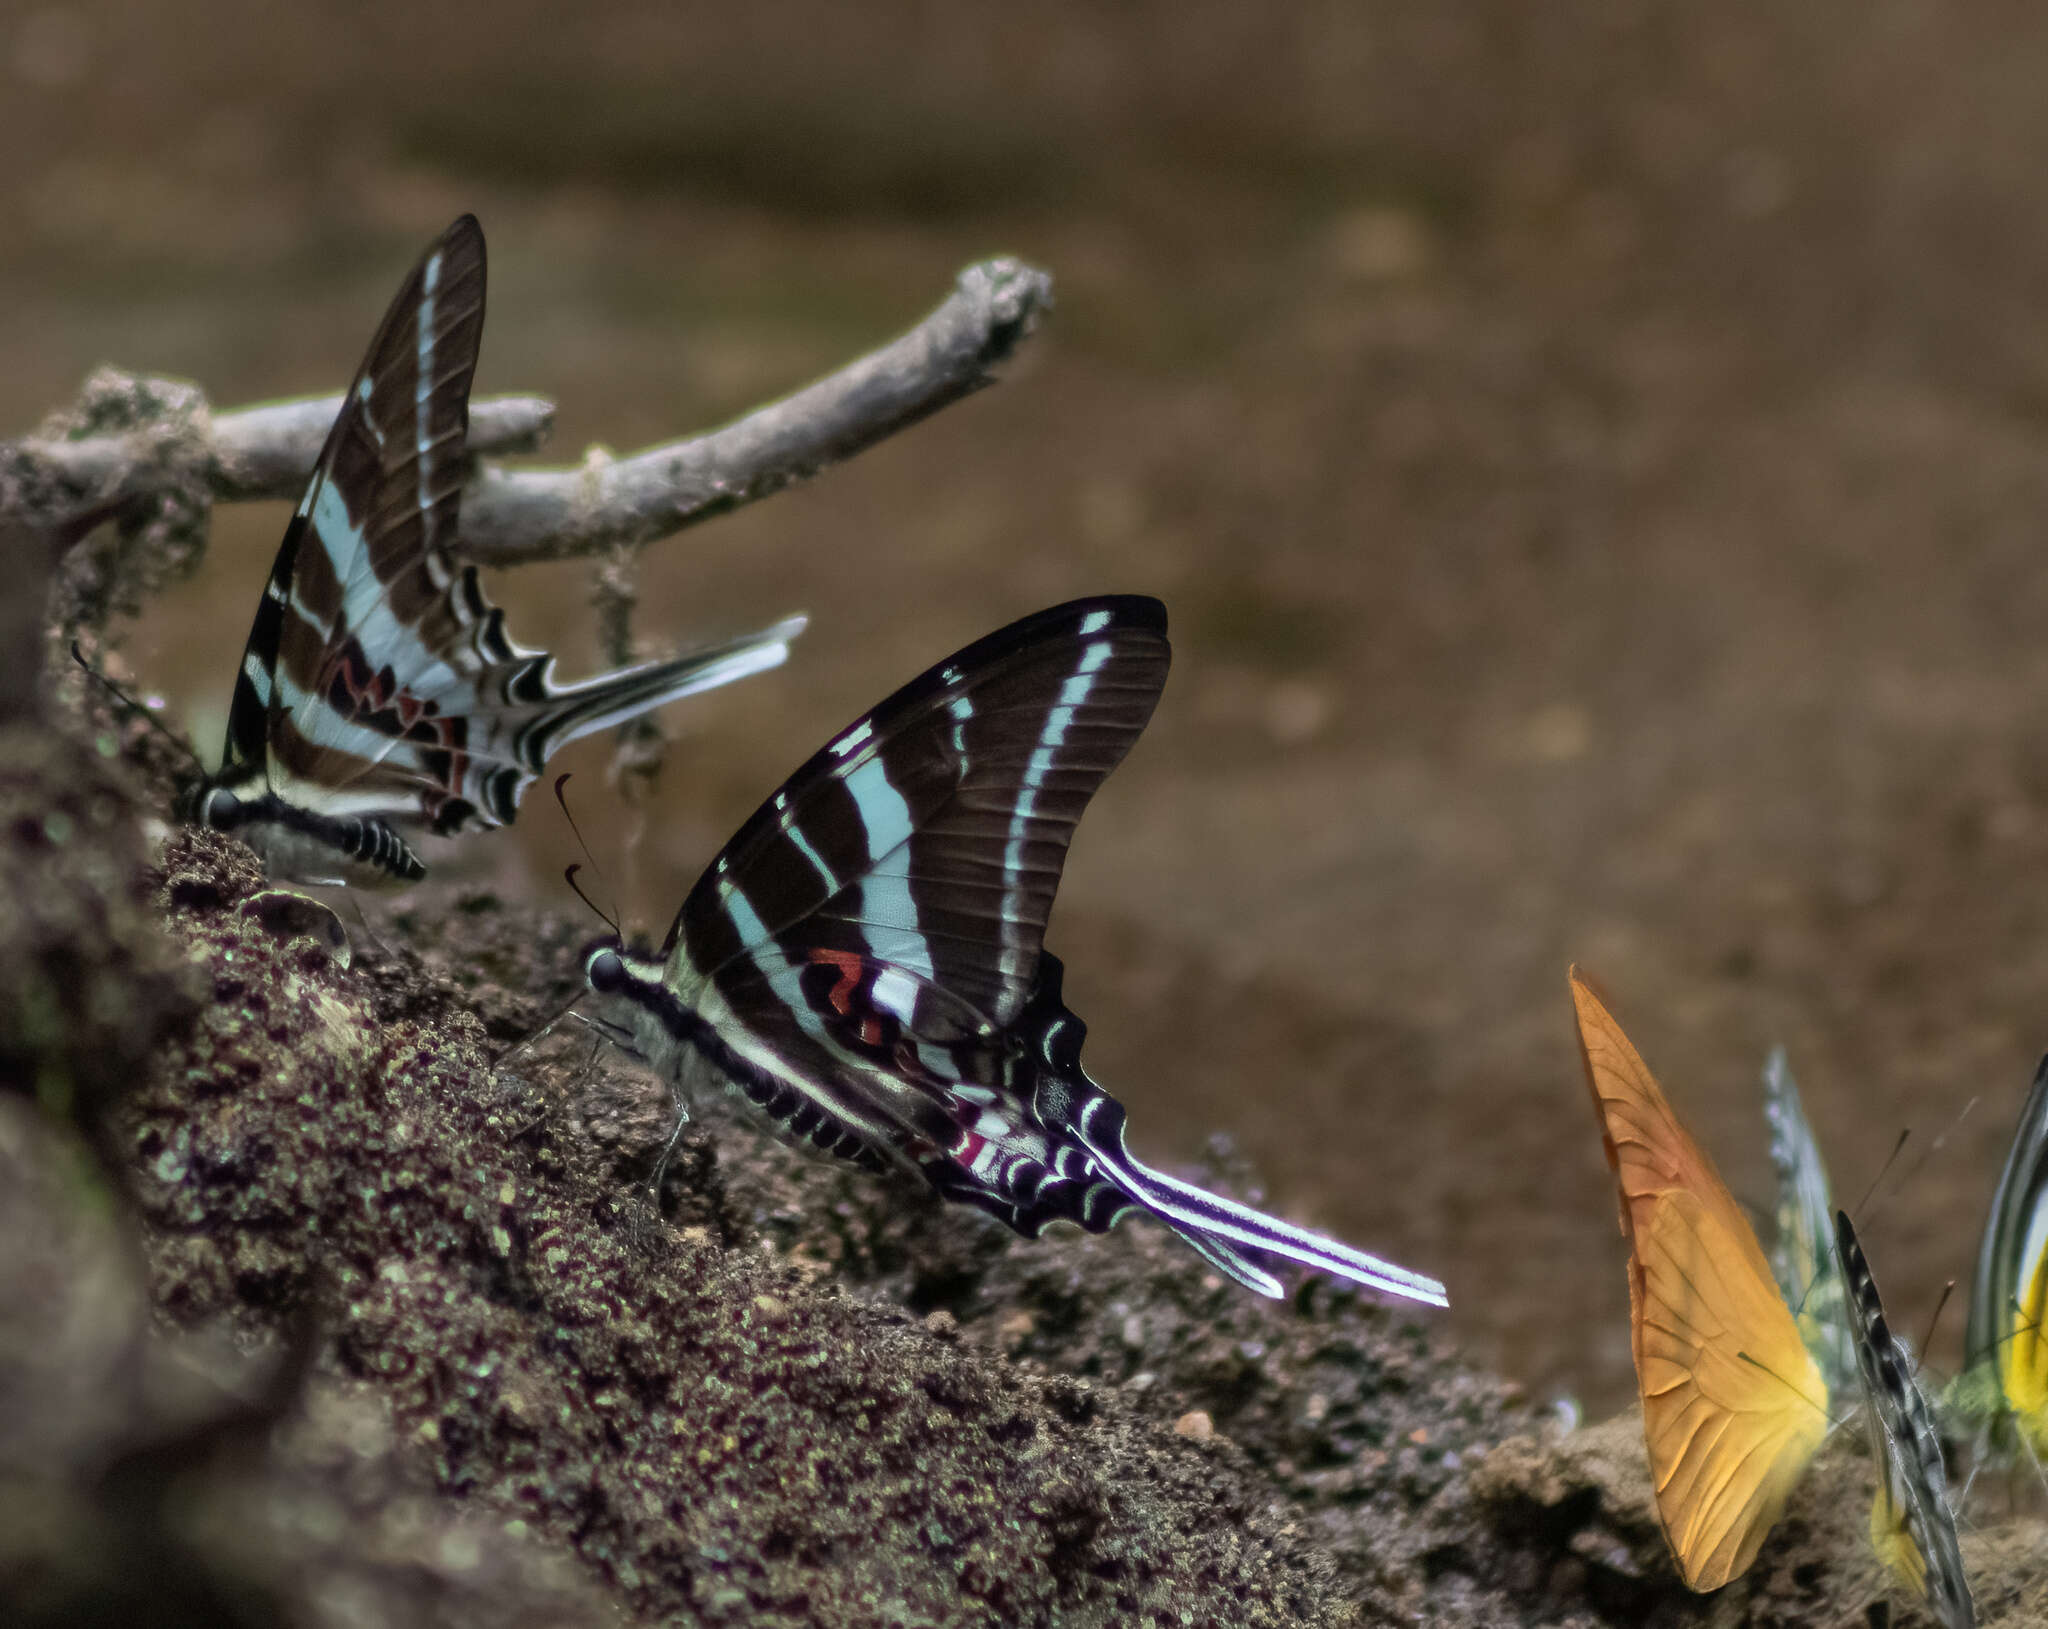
1014 1326
1195 1425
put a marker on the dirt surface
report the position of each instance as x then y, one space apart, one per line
427 1350
709 1428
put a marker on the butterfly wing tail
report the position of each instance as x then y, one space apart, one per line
1223 1230
571 711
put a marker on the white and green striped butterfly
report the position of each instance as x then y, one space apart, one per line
379 695
1802 1251
865 961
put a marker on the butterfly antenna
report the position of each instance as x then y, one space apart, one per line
1934 1322
1864 1208
609 918
569 876
143 708
1939 1142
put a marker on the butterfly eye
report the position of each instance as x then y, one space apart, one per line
605 971
220 809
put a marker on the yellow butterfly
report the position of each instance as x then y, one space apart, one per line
1734 1406
2004 1384
1912 1524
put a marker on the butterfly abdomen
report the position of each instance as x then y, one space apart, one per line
689 1051
300 842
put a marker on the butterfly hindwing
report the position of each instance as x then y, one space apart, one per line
932 1081
1912 1525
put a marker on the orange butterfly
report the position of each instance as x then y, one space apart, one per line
1734 1406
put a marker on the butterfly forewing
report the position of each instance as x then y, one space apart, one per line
1734 1407
1912 1523
2007 1348
1802 1249
931 834
362 626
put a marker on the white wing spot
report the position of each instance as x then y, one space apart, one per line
896 992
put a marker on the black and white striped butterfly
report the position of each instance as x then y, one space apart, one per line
1912 1523
864 961
379 689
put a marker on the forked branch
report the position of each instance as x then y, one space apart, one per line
133 437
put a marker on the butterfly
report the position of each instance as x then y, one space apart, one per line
864 962
379 691
1803 1258
1734 1406
2005 1381
1912 1525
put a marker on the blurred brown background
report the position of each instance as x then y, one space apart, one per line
1594 456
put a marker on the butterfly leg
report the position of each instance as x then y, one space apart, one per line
1977 1456
2033 1458
682 1115
383 950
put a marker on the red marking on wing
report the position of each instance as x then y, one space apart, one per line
850 967
373 696
374 699
968 1149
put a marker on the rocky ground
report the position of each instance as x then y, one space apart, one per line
338 1316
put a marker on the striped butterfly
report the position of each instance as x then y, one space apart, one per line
379 689
1734 1404
2004 1384
1803 1255
1912 1524
864 961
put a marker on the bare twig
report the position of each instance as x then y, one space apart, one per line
511 516
132 435
266 451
